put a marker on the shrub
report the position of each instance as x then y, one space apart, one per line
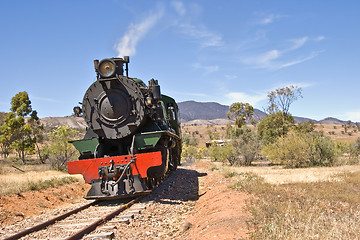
291 151
322 150
233 132
342 147
60 150
302 150
248 145
189 140
191 153
213 135
355 151
274 126
221 153
242 150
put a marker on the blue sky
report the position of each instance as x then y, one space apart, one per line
208 51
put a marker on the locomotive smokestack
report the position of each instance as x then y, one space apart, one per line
155 89
126 60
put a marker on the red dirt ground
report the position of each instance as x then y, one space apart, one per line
220 212
15 207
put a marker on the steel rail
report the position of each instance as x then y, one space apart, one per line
104 219
49 222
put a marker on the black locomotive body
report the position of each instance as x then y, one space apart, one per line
133 136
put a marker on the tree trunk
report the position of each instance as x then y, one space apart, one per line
23 156
39 153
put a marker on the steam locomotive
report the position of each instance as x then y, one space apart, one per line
133 136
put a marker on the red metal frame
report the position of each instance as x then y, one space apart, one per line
89 167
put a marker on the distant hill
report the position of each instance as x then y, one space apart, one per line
71 121
331 120
302 119
191 110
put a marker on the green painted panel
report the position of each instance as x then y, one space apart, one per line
147 140
86 146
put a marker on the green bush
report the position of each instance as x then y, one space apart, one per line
241 150
274 126
191 153
302 150
355 151
322 149
221 153
60 150
189 140
343 147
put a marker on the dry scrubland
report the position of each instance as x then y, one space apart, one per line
335 131
311 203
303 203
306 203
35 177
276 175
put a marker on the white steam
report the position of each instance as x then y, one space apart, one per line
136 32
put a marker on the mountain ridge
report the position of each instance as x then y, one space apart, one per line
192 110
191 113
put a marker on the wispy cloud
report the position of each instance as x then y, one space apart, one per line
269 19
352 115
179 7
206 69
202 35
298 43
230 77
296 61
263 60
297 84
198 32
127 45
253 99
280 58
319 38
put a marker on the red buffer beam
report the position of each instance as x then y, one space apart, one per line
89 167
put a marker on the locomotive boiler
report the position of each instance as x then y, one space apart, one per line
133 136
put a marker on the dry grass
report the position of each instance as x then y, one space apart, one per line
280 175
32 180
302 209
337 132
8 168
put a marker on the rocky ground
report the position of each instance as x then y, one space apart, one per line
193 203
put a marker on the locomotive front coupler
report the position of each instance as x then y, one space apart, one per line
111 171
112 175
116 171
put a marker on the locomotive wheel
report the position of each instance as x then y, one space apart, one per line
173 163
150 183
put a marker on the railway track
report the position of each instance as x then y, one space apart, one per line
83 220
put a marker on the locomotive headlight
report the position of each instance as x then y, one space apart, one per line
107 68
148 101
